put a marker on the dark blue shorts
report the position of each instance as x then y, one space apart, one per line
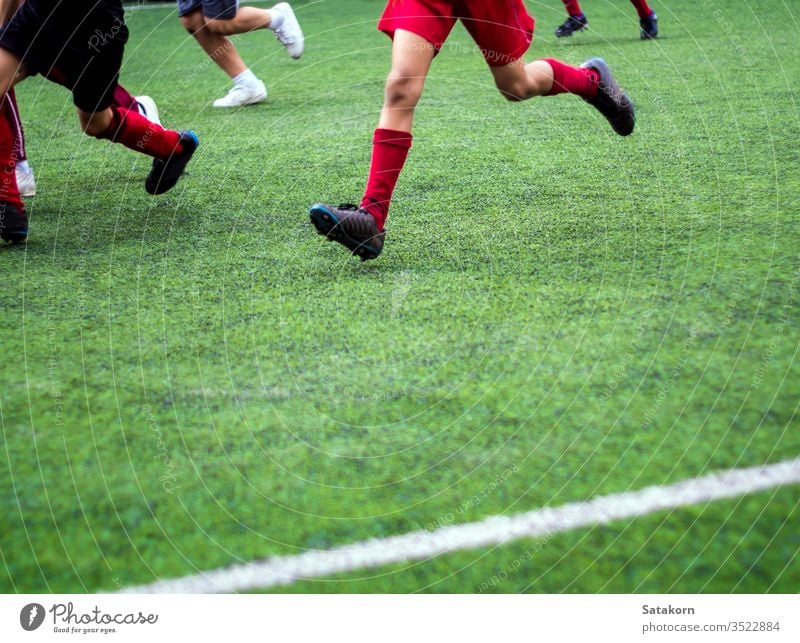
220 9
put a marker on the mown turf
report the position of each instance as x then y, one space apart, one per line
745 545
198 379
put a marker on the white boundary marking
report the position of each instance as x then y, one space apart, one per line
496 530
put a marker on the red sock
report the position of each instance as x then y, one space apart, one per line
389 153
573 80
15 122
135 132
642 8
124 99
9 192
573 7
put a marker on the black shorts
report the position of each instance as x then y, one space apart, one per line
82 40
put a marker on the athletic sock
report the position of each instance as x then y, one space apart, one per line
573 8
134 131
11 111
642 8
573 80
277 19
124 99
389 153
246 79
9 192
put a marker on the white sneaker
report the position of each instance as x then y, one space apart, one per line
289 33
240 95
26 183
148 109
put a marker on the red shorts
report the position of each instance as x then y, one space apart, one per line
503 29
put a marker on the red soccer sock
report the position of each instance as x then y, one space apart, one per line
124 99
135 132
11 111
573 7
573 80
9 192
389 153
642 8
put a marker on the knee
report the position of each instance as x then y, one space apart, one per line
403 91
193 22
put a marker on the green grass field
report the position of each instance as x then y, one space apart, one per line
198 379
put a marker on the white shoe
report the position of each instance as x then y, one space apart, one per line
240 95
289 33
148 109
26 183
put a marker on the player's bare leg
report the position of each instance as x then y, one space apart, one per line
518 81
412 56
247 88
219 48
592 81
360 228
280 19
95 123
247 19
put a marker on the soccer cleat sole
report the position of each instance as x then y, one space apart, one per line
328 226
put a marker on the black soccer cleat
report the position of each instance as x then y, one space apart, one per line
611 101
571 25
165 173
353 227
649 27
13 223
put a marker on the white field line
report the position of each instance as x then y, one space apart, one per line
496 530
